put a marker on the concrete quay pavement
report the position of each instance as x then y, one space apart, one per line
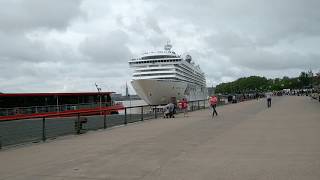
247 141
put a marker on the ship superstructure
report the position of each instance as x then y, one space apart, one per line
162 76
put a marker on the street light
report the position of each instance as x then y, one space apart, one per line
99 92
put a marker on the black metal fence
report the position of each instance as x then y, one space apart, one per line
14 132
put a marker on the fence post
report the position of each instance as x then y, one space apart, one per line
44 129
155 112
191 106
141 113
105 120
78 124
125 116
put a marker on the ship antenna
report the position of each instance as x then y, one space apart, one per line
168 46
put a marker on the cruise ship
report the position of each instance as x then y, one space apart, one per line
163 76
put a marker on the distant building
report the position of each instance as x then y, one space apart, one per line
116 96
120 97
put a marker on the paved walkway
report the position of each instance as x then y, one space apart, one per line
246 141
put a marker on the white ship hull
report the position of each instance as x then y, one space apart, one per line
156 92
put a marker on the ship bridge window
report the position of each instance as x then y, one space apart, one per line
158 57
155 61
151 70
155 74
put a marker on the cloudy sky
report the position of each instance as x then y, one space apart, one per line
69 45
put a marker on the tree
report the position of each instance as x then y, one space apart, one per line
243 85
316 79
304 79
261 84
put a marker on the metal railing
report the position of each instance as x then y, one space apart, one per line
44 127
50 126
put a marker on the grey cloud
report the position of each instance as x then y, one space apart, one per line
157 40
145 27
260 59
229 39
266 20
152 23
254 54
248 53
110 48
20 48
26 15
217 67
54 76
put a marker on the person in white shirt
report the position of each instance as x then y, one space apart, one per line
268 95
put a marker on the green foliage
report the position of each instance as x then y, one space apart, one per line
241 85
262 84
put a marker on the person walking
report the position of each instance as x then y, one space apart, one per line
184 106
213 103
268 95
234 99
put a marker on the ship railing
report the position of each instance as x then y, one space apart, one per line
50 108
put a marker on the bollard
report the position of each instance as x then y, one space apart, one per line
0 142
44 129
105 120
198 105
141 113
125 116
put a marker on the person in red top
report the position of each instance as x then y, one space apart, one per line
213 101
184 106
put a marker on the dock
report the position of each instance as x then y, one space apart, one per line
246 141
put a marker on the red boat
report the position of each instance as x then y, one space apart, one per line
37 105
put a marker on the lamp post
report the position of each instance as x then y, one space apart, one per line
99 92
